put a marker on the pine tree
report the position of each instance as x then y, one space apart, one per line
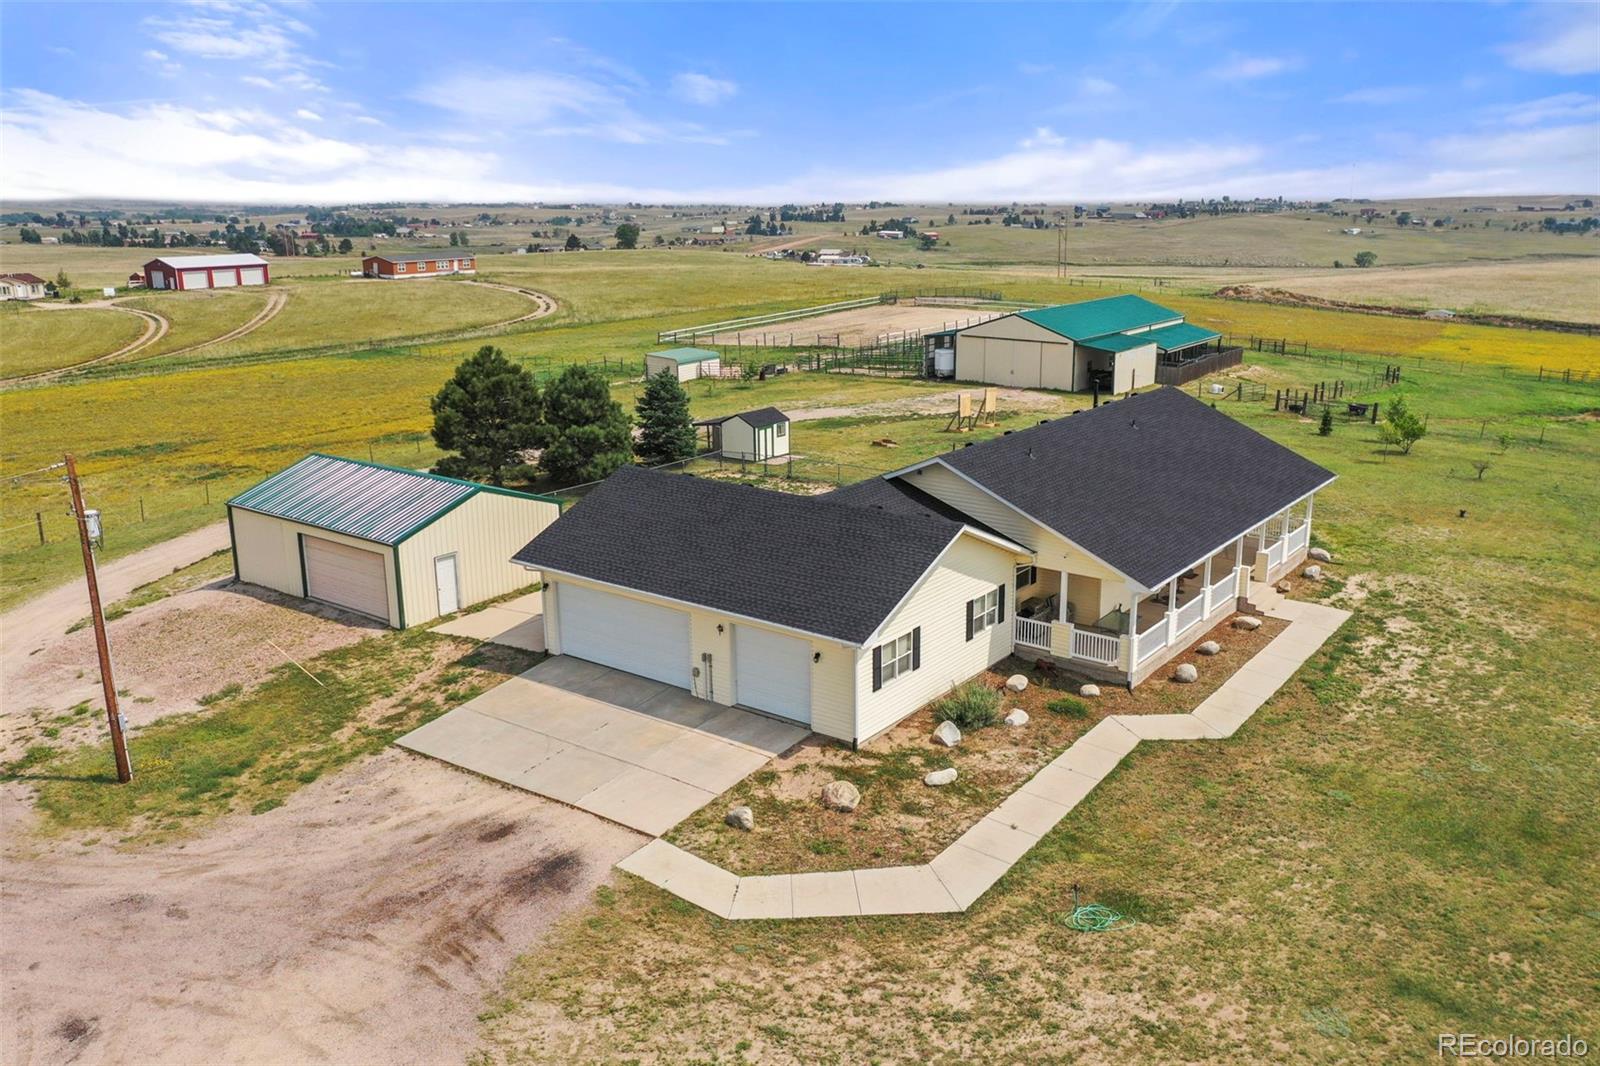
487 413
1326 427
666 434
586 434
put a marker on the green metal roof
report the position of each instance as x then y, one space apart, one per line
1118 342
683 356
1171 338
1096 318
384 504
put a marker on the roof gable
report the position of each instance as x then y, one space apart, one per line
801 562
1147 484
1096 318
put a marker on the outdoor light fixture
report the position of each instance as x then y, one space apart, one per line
816 656
719 628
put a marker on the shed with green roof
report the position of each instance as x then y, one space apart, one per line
1114 344
686 363
396 545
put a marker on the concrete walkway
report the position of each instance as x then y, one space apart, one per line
518 623
638 752
965 870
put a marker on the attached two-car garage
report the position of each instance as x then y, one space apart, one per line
770 671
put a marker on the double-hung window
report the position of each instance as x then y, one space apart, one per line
1026 575
986 610
896 658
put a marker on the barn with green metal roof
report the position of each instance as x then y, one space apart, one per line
1116 344
401 546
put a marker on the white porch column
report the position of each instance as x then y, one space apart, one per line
1310 501
1284 530
1061 596
1172 610
1205 577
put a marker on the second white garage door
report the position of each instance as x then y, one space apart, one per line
623 633
772 672
346 576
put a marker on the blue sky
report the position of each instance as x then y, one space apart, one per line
339 102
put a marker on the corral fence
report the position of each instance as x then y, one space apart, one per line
1211 361
694 335
1368 362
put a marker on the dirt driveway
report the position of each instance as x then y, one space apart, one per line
411 887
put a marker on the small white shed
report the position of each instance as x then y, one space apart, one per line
687 363
754 435
398 545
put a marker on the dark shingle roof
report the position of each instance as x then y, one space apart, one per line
796 561
898 496
759 418
1149 483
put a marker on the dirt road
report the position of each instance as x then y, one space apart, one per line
155 327
30 626
412 887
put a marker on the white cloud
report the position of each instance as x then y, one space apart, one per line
1569 43
702 88
307 114
1044 137
1092 86
1380 95
155 56
257 35
556 104
1249 68
1562 107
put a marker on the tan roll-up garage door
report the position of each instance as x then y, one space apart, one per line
346 577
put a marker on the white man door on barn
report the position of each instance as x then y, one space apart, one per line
445 579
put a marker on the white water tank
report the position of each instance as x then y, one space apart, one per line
944 362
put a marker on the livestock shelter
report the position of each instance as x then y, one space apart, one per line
1114 344
755 435
419 265
686 363
398 545
206 271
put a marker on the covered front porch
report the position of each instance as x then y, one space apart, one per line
1118 630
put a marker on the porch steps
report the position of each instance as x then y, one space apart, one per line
1262 598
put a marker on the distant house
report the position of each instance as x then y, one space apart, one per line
189 272
891 234
755 435
686 363
418 266
136 280
21 287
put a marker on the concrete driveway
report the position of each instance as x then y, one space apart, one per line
638 752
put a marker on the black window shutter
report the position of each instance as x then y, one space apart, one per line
969 619
1001 596
877 668
916 648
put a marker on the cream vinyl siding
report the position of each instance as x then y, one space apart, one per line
1135 369
968 569
267 553
483 534
832 674
1051 550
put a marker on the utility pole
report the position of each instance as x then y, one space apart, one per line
119 744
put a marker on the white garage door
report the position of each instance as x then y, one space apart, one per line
623 633
349 577
224 279
195 279
253 276
772 672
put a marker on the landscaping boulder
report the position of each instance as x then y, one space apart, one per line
940 777
1313 572
1283 586
1207 647
1320 555
841 796
947 734
1090 691
1016 682
1186 673
1018 716
1247 621
741 818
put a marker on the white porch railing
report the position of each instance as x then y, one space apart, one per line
1275 555
1298 537
1102 648
1226 589
1150 641
1191 613
1033 632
